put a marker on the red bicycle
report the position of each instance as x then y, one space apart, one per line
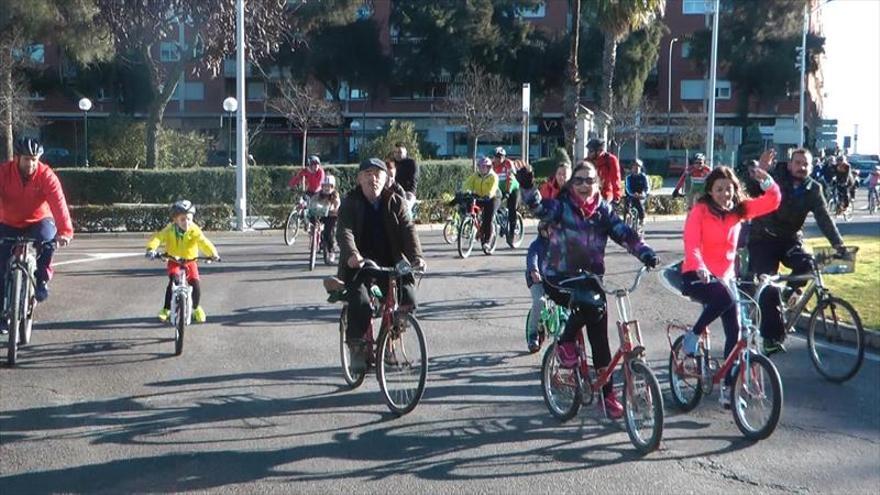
471 226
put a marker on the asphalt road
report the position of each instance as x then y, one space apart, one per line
257 403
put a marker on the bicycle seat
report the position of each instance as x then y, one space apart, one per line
670 277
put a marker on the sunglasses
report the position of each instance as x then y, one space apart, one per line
583 180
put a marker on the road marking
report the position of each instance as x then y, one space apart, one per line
97 257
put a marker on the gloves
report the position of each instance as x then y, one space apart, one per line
215 259
150 255
420 265
650 259
526 178
676 194
841 251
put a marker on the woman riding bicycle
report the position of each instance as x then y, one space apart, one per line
711 233
581 223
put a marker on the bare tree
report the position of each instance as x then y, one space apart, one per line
304 110
629 120
16 111
482 103
691 130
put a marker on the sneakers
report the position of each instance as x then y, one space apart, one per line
4 326
357 349
772 346
164 315
567 353
533 342
42 291
724 398
199 315
485 247
691 343
613 407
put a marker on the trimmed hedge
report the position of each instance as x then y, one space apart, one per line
143 218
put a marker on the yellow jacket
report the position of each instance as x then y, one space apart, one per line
484 186
186 246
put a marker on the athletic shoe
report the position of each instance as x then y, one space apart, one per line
724 398
164 315
357 349
42 292
4 326
568 356
199 315
691 343
772 346
534 343
613 407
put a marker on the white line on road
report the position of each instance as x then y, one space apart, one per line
845 350
97 257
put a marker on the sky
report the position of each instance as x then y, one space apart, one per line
852 69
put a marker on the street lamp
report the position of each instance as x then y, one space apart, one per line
713 69
85 105
669 95
230 105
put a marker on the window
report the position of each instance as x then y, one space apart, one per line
359 94
169 52
256 91
366 10
722 90
34 53
102 95
536 12
695 7
695 89
191 91
36 95
685 49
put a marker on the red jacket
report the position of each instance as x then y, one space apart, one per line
710 239
313 179
549 190
608 168
25 203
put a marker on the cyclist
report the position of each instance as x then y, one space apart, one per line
509 188
873 181
373 224
330 197
711 232
32 204
581 223
608 167
551 188
693 180
637 188
776 237
182 238
484 185
313 175
534 281
843 183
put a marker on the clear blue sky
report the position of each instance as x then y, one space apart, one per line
852 69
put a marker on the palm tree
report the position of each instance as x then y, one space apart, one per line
617 19
573 82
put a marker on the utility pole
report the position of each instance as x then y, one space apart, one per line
713 69
241 132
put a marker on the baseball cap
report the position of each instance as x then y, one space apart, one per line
372 162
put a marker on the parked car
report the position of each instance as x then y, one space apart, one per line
58 157
864 164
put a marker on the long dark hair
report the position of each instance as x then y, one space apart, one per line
566 188
739 207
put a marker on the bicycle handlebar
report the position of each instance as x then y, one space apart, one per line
168 257
587 276
401 269
26 239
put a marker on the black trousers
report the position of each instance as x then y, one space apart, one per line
765 255
359 310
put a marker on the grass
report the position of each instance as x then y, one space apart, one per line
861 288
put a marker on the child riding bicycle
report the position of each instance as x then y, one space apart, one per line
327 199
637 188
484 185
711 232
182 238
535 282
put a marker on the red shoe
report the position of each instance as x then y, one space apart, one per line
568 355
613 408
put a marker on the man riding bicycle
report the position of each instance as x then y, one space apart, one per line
637 188
509 188
776 237
693 180
373 224
32 204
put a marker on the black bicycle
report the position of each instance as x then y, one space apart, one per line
20 300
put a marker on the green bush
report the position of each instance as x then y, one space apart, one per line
398 132
143 218
120 142
182 149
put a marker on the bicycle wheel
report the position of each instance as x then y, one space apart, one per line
450 231
519 232
836 339
291 228
28 303
180 324
560 386
493 240
643 408
756 397
466 235
314 237
15 316
403 364
684 383
352 378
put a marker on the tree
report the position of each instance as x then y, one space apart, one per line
636 58
630 118
572 79
481 102
304 110
617 19
67 24
207 34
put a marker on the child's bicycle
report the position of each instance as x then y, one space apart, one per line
316 213
756 389
470 227
631 216
565 389
181 298
295 220
502 226
550 323
19 301
450 228
401 356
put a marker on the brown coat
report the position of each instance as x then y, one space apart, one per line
399 227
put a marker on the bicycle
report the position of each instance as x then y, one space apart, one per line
295 219
873 192
754 375
471 224
181 298
20 300
631 216
838 210
401 356
502 226
451 227
550 322
564 388
316 212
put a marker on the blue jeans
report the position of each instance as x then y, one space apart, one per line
45 231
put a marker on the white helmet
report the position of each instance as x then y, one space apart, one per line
500 151
329 180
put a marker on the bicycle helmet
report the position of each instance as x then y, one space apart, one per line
329 180
595 144
28 147
314 160
500 151
638 162
699 157
183 206
484 162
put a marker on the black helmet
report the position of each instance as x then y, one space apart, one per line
182 206
28 147
595 144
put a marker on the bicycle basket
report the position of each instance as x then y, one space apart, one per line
318 209
829 262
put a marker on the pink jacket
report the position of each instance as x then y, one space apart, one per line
710 240
23 203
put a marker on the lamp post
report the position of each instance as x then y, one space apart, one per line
669 95
85 105
713 69
241 154
230 105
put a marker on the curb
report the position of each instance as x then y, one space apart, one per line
872 337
